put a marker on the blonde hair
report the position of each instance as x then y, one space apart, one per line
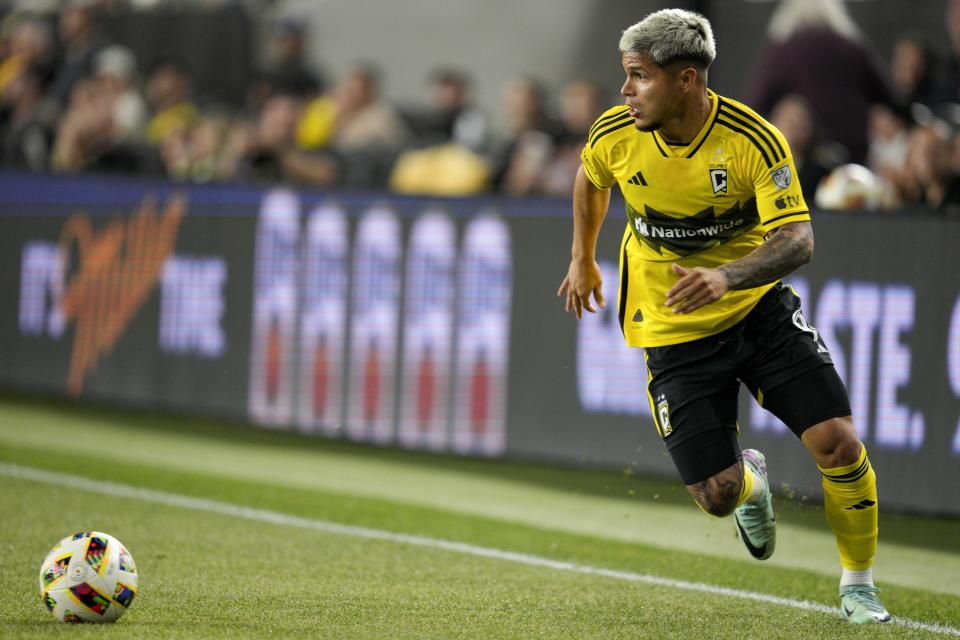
670 35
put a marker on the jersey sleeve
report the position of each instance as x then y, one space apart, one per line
595 166
779 196
596 152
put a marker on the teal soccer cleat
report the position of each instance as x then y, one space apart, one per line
756 522
860 605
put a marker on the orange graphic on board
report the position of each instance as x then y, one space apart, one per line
117 269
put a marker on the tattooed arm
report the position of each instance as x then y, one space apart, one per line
787 248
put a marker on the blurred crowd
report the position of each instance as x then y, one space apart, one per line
863 137
72 100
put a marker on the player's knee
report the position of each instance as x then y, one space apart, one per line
834 443
842 451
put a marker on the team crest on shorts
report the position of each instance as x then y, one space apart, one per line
663 416
782 177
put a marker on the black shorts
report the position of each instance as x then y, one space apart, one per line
694 386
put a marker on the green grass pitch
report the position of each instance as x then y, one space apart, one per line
209 574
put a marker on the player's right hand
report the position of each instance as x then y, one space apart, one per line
583 279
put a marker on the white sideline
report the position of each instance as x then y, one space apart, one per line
275 517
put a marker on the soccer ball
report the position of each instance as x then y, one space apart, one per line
850 187
88 577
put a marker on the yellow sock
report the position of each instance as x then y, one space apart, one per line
749 481
850 502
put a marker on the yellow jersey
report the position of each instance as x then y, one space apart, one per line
701 204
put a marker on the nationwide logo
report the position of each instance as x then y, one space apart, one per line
688 235
117 269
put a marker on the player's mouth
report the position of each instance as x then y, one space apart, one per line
634 112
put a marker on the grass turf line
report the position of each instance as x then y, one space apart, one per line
423 521
210 576
274 517
939 533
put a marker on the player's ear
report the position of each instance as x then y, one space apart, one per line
688 77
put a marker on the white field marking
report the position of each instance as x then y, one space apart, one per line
275 517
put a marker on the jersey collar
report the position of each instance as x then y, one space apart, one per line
687 152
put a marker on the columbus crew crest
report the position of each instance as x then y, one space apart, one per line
663 416
718 180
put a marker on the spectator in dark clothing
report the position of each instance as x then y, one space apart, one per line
581 103
950 90
912 69
80 38
816 52
287 70
531 135
27 48
452 116
813 158
25 142
889 145
930 179
26 67
266 150
85 135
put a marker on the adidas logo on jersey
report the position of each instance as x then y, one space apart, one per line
638 180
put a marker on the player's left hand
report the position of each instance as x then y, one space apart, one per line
697 287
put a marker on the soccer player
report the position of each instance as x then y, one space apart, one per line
715 217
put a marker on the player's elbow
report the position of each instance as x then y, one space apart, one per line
801 239
805 250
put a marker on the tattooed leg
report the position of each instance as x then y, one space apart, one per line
718 495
